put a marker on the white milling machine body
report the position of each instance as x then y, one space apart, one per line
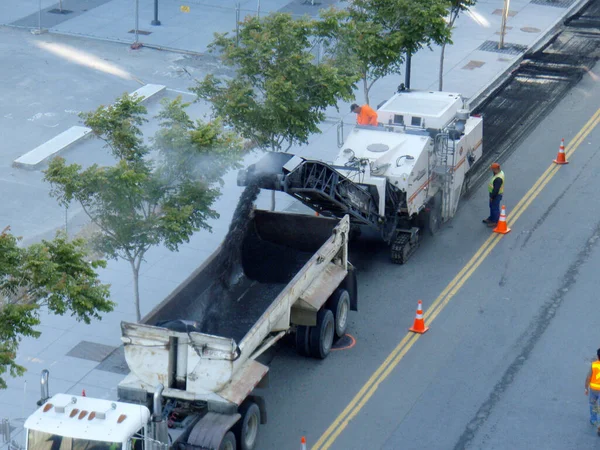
406 174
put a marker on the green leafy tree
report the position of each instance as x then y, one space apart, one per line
373 37
52 274
139 202
279 94
361 46
456 7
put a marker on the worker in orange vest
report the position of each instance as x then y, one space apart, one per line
592 388
365 115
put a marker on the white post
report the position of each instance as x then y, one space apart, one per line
40 18
504 19
137 19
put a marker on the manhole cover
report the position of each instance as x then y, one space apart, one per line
145 33
499 12
473 65
378 148
530 30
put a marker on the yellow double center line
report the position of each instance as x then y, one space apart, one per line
383 371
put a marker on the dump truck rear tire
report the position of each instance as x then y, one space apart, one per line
228 442
321 336
246 430
339 304
302 340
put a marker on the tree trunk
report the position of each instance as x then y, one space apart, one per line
366 89
135 267
272 200
441 74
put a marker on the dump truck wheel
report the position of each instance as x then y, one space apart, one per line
321 336
302 340
246 430
228 442
339 304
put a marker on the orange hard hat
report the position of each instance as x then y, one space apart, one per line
495 166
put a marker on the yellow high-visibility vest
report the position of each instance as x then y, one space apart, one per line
595 380
491 185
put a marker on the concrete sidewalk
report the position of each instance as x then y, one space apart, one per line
470 63
87 357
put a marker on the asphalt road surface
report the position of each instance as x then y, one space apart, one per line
510 340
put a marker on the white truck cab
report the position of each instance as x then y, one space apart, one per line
71 422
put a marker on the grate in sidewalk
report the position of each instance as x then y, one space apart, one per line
60 11
508 49
115 362
91 351
557 3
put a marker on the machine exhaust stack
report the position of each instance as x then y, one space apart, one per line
159 424
44 389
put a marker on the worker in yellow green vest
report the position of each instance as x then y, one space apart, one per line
496 189
592 388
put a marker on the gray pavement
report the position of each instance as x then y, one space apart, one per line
503 365
46 88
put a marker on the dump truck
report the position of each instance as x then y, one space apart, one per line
194 360
399 178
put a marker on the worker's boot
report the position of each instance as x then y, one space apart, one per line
486 221
491 224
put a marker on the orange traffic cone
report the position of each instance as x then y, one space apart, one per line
502 228
419 323
303 443
561 157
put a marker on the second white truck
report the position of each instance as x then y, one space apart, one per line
193 360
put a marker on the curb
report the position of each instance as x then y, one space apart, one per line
34 159
485 92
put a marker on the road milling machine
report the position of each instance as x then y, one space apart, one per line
400 177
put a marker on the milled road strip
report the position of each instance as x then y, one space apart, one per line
394 358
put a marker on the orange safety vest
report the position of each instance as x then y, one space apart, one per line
367 116
595 380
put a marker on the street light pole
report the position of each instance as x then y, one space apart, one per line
155 22
137 44
137 19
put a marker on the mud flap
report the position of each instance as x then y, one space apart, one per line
350 283
210 430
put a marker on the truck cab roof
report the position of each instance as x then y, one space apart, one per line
88 418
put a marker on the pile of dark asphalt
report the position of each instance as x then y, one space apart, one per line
250 273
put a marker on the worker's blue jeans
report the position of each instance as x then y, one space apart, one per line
495 208
594 396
